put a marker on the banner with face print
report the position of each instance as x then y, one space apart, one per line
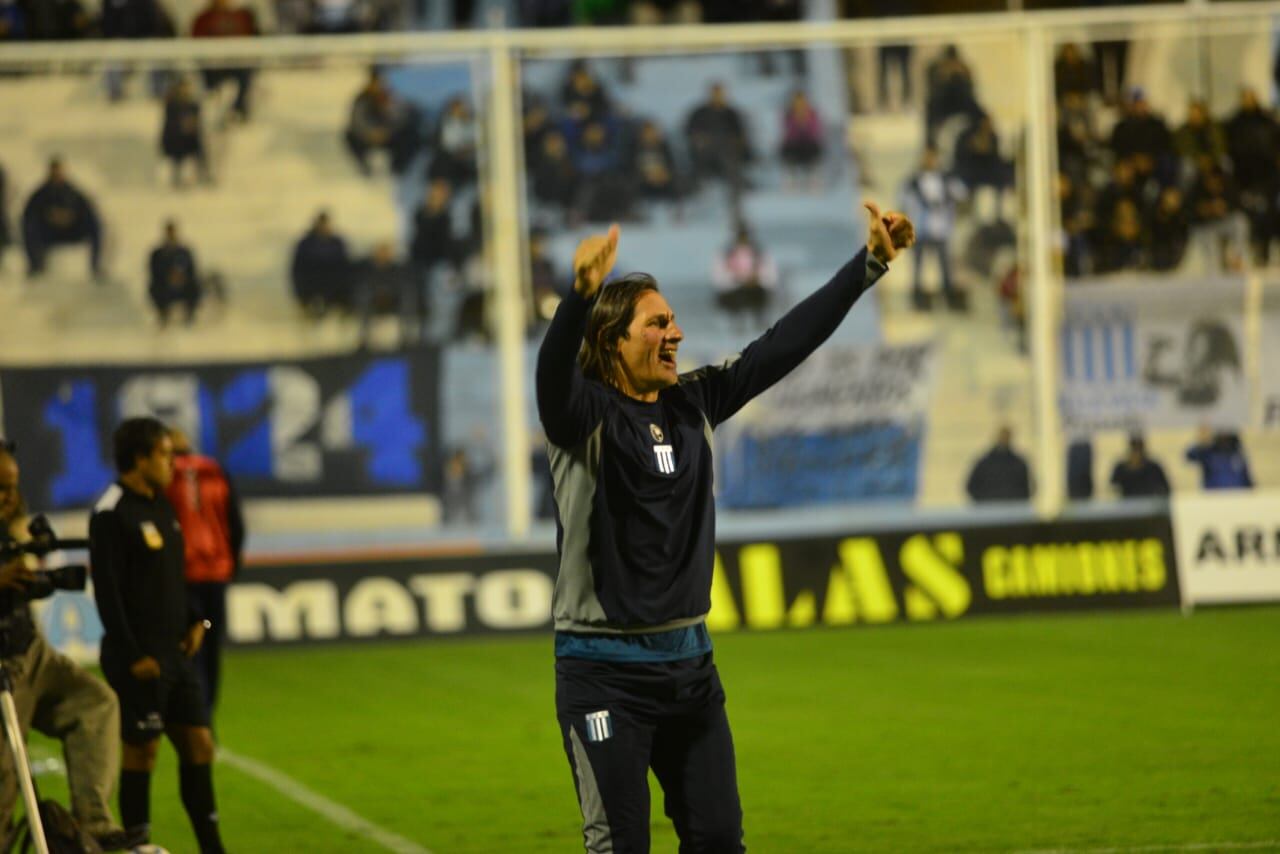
1146 352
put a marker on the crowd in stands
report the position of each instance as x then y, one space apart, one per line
1001 474
1139 196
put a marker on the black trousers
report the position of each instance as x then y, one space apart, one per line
618 721
212 597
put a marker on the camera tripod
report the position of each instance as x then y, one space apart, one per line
13 733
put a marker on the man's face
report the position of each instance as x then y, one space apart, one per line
648 353
156 468
10 499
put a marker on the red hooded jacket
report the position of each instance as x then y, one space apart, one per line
209 513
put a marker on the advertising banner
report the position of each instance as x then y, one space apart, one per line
1154 354
1228 546
340 425
847 425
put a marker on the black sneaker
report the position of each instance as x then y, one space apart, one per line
123 840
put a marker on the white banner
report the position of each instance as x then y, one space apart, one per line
840 386
1154 353
1228 546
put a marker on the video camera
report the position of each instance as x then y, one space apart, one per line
44 541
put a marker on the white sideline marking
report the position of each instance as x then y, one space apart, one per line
334 812
1188 846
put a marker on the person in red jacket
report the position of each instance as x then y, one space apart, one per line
209 511
227 19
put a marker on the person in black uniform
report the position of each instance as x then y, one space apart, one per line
629 443
151 631
1137 475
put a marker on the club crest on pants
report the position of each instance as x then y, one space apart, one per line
599 726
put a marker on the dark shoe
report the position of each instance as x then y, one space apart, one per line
122 840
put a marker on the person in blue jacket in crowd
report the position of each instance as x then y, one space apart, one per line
1221 458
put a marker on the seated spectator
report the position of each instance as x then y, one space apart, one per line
554 178
802 138
1072 74
1077 141
182 137
930 198
1253 138
57 20
1076 212
717 137
1217 226
1123 246
321 270
607 194
383 282
59 214
13 22
381 121
1137 475
654 166
1001 474
546 13
977 160
1222 462
1142 137
455 159
950 92
1169 231
1126 185
745 277
172 277
583 96
226 19
1199 136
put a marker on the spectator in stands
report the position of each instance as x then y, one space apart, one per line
1142 137
172 277
544 279
554 177
135 19
546 13
59 214
321 270
607 193
929 199
1080 469
745 277
1077 216
1072 75
13 23
977 159
536 125
802 139
455 158
1199 136
654 166
226 19
1077 142
719 146
1222 461
1170 231
381 121
1126 185
1001 474
463 481
57 20
182 137
1217 226
950 92
1137 475
434 245
646 13
583 96
1123 245
1253 139
382 281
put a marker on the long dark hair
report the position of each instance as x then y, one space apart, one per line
614 309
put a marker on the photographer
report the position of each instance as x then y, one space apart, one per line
152 630
50 692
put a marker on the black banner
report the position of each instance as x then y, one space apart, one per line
339 425
860 579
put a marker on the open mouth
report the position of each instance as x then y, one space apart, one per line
667 356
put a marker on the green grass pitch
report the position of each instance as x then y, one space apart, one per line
1071 732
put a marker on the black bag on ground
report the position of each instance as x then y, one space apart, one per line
61 832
